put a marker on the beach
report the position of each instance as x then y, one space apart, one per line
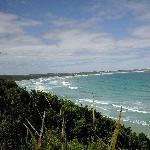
109 91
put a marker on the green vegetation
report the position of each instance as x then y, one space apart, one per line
116 132
33 120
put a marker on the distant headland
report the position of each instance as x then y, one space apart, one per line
35 76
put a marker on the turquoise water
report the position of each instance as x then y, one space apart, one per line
109 91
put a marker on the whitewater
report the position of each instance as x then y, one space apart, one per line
109 91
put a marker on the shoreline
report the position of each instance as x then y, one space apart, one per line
46 75
36 76
78 125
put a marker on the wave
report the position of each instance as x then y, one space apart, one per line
116 72
101 102
40 88
73 87
101 108
139 71
108 73
114 118
95 101
65 83
86 100
123 72
67 77
83 75
140 122
54 82
97 74
37 83
90 106
50 82
138 111
131 109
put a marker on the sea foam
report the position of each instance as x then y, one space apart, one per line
73 87
131 109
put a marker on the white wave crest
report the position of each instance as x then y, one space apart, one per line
95 101
65 83
79 75
86 100
131 109
102 108
107 73
97 74
67 77
101 102
40 88
140 122
54 82
122 72
139 71
73 87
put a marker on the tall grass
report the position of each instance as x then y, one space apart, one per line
37 142
94 119
116 131
63 128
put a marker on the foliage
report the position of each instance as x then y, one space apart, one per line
116 132
17 105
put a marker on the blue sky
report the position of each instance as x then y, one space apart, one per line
41 36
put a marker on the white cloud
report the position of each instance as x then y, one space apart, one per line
74 40
142 32
106 9
116 9
13 34
140 9
80 40
12 24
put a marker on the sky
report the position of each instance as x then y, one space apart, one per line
43 36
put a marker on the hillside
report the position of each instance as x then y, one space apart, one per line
26 116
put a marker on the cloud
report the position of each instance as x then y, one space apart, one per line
110 9
140 9
142 32
13 24
13 32
11 2
74 40
78 41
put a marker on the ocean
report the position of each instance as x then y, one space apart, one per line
110 91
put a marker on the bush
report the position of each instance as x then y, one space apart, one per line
18 105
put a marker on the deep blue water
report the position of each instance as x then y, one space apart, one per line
109 91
